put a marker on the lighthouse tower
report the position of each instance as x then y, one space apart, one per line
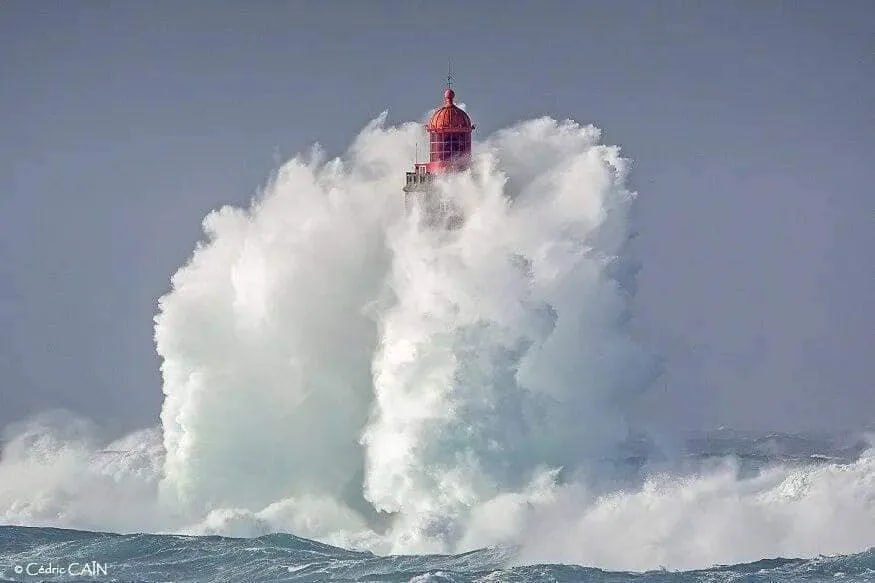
449 140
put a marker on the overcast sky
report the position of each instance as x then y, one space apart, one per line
752 127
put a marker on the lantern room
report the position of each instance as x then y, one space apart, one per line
449 137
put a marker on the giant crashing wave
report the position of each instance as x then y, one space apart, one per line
335 370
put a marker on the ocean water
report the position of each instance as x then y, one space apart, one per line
31 554
155 558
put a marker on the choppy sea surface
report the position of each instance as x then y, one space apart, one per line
33 554
69 555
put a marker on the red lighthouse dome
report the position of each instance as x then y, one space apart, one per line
449 118
449 137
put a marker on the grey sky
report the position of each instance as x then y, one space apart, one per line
751 125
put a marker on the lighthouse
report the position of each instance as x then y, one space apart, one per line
449 150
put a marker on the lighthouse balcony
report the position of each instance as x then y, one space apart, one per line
419 179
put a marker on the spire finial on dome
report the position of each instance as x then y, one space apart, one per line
449 94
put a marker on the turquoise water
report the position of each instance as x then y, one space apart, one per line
155 558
